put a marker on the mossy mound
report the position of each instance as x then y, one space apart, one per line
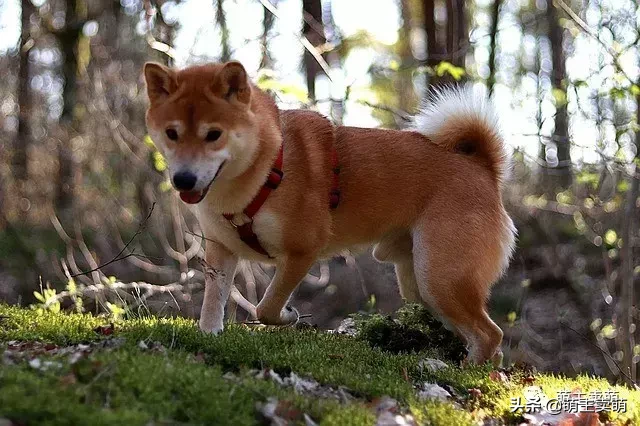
61 369
413 330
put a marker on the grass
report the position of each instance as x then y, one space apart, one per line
189 380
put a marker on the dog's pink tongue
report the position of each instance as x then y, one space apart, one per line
191 197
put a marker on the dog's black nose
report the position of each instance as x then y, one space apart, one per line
184 181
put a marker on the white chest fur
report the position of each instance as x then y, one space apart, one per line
266 225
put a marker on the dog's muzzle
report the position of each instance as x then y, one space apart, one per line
184 182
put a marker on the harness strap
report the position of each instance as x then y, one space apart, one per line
245 230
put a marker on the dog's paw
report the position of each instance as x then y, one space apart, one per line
497 359
214 329
288 315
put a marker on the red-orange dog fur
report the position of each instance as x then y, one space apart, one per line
430 197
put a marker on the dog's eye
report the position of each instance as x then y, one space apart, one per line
213 135
172 134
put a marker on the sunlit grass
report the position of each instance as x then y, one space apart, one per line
127 385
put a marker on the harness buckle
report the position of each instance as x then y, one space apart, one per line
238 225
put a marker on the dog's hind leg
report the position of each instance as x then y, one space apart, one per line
397 248
455 267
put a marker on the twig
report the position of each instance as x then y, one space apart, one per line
322 280
151 40
119 256
242 302
584 27
631 381
250 281
305 41
257 322
118 285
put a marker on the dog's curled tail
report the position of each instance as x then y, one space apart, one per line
461 121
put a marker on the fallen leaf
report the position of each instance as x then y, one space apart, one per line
475 393
104 330
282 413
498 376
68 379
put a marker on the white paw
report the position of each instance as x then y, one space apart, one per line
288 315
214 329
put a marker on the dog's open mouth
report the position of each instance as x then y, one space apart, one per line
194 197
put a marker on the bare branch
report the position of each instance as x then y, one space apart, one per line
302 39
120 256
584 27
250 281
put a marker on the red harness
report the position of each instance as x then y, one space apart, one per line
245 231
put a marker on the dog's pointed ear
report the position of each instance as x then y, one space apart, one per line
161 81
233 82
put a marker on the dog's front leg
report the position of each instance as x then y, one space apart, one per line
289 273
220 269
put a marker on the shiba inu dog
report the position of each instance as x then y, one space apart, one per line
288 187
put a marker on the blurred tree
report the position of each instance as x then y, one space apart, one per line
313 30
333 56
457 33
164 32
404 79
267 24
448 42
435 51
23 136
68 39
561 177
493 34
630 235
221 18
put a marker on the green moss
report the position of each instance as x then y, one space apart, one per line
130 386
350 415
25 324
434 413
414 330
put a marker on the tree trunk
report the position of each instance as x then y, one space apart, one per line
313 30
436 46
23 137
224 31
558 77
457 37
462 36
430 32
333 58
451 28
495 17
404 79
626 301
267 23
68 40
